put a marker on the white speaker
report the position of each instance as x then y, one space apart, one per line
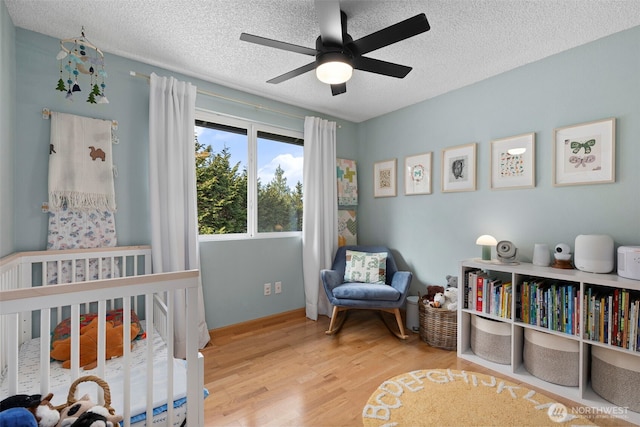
594 253
629 262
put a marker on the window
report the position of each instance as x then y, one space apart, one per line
249 177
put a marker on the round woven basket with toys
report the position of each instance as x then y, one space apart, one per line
438 325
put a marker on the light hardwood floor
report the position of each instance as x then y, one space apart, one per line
284 371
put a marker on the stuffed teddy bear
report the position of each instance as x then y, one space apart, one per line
451 298
452 281
74 415
40 409
438 300
432 290
89 344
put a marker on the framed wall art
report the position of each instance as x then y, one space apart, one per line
347 227
417 174
384 178
513 162
347 176
459 168
585 153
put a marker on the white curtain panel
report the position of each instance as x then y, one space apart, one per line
320 215
172 188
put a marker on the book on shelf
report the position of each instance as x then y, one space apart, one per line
612 317
506 300
633 325
518 306
549 304
625 318
469 289
480 291
637 325
609 321
498 298
494 287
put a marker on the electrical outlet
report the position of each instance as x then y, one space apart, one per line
267 289
278 287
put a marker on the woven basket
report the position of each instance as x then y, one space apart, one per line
71 398
438 326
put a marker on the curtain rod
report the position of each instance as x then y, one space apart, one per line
238 101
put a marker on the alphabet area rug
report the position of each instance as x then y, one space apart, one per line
446 397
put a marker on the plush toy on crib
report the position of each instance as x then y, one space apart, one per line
40 409
98 416
85 413
17 417
61 350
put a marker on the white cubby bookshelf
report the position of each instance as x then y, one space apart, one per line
517 274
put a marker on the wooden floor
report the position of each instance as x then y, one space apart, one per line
287 372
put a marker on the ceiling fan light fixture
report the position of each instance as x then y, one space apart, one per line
337 54
334 68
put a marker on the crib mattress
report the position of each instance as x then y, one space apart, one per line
29 380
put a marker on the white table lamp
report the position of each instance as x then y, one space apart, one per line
487 242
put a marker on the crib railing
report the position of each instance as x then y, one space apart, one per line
152 294
28 269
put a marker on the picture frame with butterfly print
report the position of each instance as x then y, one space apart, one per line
585 153
513 162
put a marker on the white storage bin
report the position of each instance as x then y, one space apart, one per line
615 376
541 348
491 339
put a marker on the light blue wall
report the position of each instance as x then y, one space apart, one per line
432 233
233 272
429 233
7 126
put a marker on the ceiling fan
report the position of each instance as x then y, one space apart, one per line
337 54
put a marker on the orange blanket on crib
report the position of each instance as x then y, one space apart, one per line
63 329
89 344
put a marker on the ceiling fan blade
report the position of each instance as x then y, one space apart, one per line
330 21
393 34
293 73
381 67
338 89
277 44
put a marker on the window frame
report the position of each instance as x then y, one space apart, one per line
252 173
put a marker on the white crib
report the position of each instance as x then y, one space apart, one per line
142 378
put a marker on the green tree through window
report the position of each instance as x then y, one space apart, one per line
224 180
276 204
222 192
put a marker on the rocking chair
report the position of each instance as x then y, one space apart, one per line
387 294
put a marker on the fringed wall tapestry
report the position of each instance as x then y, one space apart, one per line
82 200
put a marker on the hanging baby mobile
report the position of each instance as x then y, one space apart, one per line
82 57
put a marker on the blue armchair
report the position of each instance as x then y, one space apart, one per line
344 295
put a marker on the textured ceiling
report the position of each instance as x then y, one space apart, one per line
469 40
